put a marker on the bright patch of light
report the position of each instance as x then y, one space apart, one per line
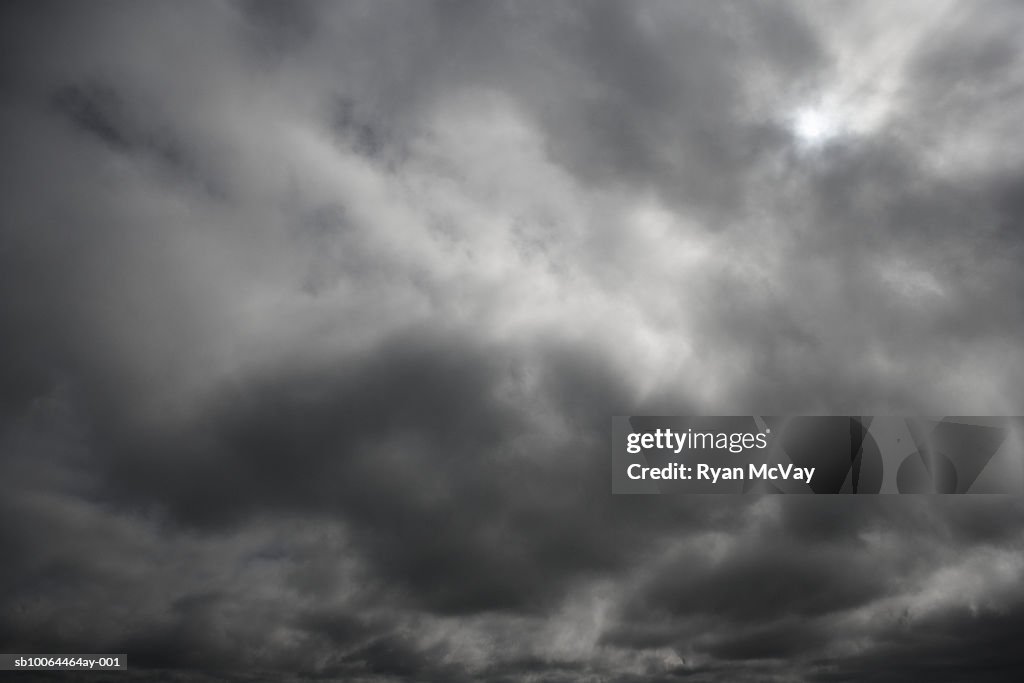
814 126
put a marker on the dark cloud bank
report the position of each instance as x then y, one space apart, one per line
314 316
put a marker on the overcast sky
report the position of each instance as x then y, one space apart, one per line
313 317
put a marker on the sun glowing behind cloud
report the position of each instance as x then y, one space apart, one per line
815 126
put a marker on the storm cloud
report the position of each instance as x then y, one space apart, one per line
314 316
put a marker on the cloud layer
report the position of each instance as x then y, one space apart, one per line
315 314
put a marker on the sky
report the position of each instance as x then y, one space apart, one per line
313 317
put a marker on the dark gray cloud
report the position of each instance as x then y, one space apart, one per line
314 316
